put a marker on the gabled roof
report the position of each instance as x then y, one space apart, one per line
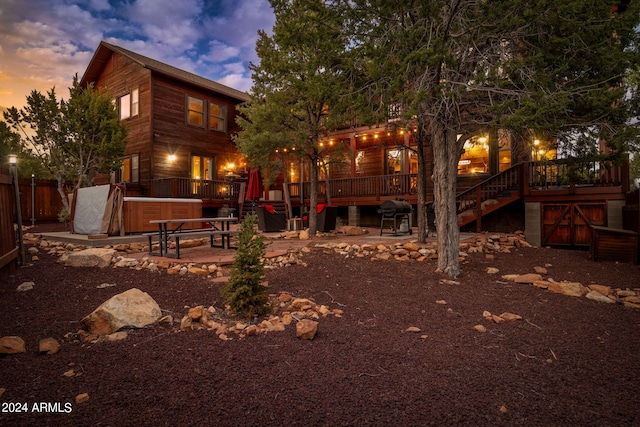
105 50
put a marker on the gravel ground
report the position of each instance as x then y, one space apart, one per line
568 362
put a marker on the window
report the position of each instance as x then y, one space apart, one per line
125 106
395 161
504 145
195 111
475 158
135 104
202 170
129 105
394 111
129 171
202 167
217 117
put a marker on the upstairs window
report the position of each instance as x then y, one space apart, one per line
135 103
129 105
195 111
125 106
217 117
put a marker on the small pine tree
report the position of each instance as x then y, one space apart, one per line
244 292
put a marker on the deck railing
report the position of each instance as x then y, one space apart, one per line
541 175
549 174
195 188
362 186
506 181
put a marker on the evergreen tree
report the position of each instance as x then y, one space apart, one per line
298 90
96 136
244 291
459 67
75 139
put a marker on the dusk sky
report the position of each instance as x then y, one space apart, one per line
44 43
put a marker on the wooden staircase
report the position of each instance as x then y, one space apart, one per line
490 196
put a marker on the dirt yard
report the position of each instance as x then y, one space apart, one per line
568 362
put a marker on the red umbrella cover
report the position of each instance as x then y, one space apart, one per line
254 188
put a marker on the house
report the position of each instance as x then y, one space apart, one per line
179 127
179 145
504 184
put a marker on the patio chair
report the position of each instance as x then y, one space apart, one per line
269 220
327 215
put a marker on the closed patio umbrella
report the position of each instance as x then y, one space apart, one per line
254 187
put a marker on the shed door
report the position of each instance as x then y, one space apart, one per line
568 224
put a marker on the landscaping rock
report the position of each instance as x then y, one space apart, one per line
597 296
93 257
527 278
48 346
25 286
12 345
132 308
306 329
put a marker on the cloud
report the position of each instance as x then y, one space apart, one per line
235 68
220 52
43 43
99 5
237 81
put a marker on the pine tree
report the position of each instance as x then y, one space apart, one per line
244 292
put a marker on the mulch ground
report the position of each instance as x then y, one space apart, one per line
568 362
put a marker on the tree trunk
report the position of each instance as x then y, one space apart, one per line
421 187
446 156
313 197
63 195
285 188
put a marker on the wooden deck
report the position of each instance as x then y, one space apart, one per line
478 195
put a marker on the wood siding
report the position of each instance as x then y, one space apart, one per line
160 128
120 76
174 135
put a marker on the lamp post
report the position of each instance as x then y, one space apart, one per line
33 200
13 161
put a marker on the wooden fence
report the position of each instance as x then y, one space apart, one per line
39 199
8 249
39 202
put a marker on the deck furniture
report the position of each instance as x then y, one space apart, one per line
270 220
172 229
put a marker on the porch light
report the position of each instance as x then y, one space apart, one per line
171 157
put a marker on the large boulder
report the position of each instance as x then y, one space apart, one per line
92 257
132 308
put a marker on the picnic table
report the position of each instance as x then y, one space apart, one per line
169 229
